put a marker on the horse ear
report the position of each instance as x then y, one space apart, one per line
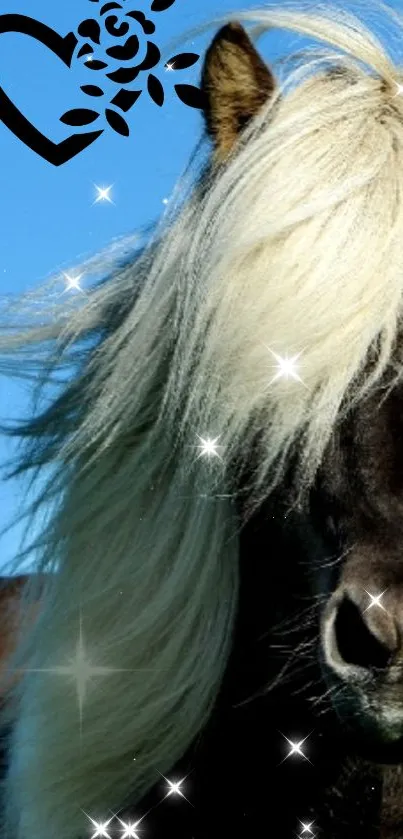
236 83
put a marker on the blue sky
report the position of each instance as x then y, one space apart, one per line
48 216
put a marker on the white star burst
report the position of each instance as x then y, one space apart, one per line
72 282
307 828
399 90
296 748
81 670
169 67
101 829
286 368
209 447
175 787
103 194
129 830
375 600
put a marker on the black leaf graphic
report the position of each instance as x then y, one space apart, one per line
92 90
148 25
117 122
155 90
117 31
127 51
182 61
90 29
109 6
190 95
151 59
79 116
95 65
123 75
85 50
161 5
125 99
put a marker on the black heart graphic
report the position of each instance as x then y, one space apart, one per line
55 153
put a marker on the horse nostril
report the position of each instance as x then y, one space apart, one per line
355 642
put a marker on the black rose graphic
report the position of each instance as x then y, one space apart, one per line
115 50
122 64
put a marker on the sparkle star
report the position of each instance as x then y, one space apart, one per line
129 830
175 787
208 447
101 829
285 367
296 748
399 90
103 194
307 828
72 282
81 670
375 600
169 67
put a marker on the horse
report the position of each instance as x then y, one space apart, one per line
224 460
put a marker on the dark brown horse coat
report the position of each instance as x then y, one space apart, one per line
238 783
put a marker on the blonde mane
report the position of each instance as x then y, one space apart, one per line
292 248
